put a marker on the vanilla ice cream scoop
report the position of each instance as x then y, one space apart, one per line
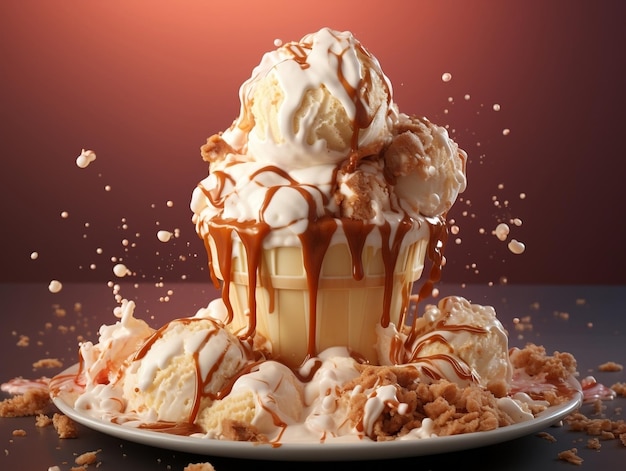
316 101
465 335
428 167
181 366
269 399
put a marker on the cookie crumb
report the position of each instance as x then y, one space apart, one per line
601 428
65 427
199 467
610 366
87 458
547 436
47 363
619 388
594 444
19 432
32 402
571 456
42 420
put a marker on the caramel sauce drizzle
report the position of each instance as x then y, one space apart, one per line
300 53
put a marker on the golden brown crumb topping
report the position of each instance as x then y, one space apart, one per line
571 456
47 363
32 402
87 458
199 467
453 409
619 388
65 427
610 366
534 360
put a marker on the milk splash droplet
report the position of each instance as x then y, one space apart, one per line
446 77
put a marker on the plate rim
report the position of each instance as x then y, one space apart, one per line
308 451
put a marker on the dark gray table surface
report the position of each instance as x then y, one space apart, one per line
587 321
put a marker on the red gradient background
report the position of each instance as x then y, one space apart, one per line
143 83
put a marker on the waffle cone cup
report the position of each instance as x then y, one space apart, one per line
347 310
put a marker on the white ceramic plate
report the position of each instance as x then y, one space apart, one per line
362 450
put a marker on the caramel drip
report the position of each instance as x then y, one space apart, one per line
315 241
390 252
223 249
356 233
251 235
214 278
252 242
436 247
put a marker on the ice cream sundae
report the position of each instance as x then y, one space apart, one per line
321 205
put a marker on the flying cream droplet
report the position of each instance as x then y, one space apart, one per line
446 77
55 286
85 158
502 231
120 270
164 236
516 247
